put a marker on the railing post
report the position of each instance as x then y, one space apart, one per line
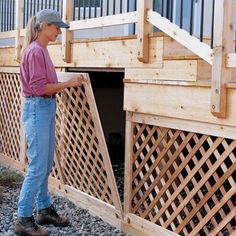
144 29
19 26
222 45
68 6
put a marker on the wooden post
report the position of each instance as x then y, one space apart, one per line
128 163
19 26
68 6
223 44
144 29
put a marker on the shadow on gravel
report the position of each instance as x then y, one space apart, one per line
8 178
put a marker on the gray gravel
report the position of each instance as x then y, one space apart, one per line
82 223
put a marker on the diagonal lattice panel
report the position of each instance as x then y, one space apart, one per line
82 159
184 181
83 162
10 115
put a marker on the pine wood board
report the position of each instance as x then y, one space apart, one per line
177 102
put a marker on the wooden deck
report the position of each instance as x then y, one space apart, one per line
179 98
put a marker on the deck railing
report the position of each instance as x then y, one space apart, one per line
190 15
7 15
98 8
33 6
168 16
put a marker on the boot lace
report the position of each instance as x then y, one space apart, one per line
52 211
33 224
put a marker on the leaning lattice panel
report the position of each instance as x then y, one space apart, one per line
183 181
83 161
10 113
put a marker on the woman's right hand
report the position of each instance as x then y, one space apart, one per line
76 81
73 82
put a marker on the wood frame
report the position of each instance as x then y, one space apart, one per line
223 44
180 35
68 6
128 174
98 128
137 226
132 223
141 89
19 26
118 19
169 100
144 30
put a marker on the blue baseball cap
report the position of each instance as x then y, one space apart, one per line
50 16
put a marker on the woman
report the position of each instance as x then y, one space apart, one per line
39 86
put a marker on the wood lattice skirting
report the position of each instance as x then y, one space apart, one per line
183 181
82 170
176 179
81 149
10 115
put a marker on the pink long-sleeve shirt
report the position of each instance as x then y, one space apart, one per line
36 70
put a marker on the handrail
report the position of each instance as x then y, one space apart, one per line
180 12
118 19
180 35
188 15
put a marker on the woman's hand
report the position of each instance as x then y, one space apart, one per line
73 82
76 81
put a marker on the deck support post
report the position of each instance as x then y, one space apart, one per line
223 44
19 26
144 29
128 163
68 6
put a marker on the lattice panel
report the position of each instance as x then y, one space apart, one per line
184 181
82 159
78 146
10 115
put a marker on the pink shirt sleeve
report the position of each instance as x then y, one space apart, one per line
37 72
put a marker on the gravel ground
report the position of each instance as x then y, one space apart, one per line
82 223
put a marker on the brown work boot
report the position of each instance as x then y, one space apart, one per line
26 226
49 216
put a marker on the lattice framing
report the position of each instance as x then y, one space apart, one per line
78 145
82 158
184 181
10 115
